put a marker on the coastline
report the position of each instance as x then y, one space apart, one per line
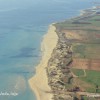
39 82
62 51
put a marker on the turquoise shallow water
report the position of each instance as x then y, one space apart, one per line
21 32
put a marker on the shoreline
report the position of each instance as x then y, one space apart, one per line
53 41
39 82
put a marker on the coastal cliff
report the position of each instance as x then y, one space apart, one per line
53 71
58 69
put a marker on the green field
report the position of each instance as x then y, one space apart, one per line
89 51
92 78
86 23
95 21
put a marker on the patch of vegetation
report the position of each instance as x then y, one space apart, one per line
68 86
78 72
89 51
80 50
95 20
86 23
92 78
85 98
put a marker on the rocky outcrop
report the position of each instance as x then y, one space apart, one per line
58 69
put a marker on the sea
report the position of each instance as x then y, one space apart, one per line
22 26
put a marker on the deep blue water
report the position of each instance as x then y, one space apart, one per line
21 32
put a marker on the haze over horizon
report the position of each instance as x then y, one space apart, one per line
16 4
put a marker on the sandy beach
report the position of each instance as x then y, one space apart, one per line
39 82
